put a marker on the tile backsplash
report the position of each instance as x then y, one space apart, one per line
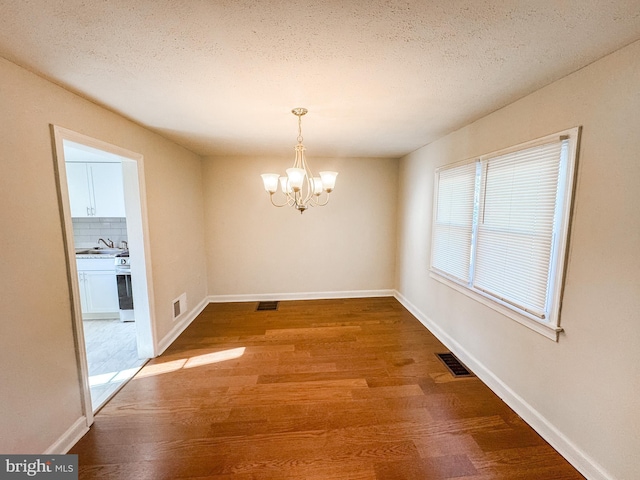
87 231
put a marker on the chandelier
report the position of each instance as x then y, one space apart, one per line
300 188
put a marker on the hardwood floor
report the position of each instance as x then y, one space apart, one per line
326 389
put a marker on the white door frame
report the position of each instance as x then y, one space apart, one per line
137 222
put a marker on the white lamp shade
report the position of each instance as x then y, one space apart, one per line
270 181
296 178
317 185
328 180
284 185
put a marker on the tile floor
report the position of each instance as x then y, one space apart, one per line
112 356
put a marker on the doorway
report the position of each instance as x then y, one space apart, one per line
111 343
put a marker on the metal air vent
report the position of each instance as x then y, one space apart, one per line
454 365
262 306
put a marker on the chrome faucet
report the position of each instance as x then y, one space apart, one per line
108 243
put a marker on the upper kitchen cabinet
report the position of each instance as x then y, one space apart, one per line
95 189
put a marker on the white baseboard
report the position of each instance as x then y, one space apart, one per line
69 438
574 455
300 296
180 327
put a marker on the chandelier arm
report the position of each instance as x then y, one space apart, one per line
305 165
318 203
309 194
275 204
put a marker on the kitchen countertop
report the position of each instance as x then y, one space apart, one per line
96 255
84 253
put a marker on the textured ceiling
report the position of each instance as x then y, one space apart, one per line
380 78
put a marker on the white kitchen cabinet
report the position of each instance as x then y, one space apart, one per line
95 189
98 288
108 191
79 192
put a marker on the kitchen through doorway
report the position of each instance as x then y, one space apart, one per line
107 251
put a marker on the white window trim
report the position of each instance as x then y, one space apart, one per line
551 328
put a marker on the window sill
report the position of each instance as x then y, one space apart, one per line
549 331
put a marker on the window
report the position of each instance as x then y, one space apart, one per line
500 228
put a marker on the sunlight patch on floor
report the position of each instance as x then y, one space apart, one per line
112 377
191 362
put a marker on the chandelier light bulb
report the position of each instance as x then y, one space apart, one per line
328 180
284 185
270 182
317 186
296 178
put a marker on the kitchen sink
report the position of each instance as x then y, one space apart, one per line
99 251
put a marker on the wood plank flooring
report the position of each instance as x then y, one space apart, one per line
324 389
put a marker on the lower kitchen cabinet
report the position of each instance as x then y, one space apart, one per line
98 289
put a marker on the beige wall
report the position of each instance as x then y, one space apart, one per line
40 390
255 248
587 386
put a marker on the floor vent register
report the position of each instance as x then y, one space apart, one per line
454 365
262 306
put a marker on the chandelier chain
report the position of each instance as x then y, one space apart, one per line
299 128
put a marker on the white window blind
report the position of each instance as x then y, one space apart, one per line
500 228
515 236
453 225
